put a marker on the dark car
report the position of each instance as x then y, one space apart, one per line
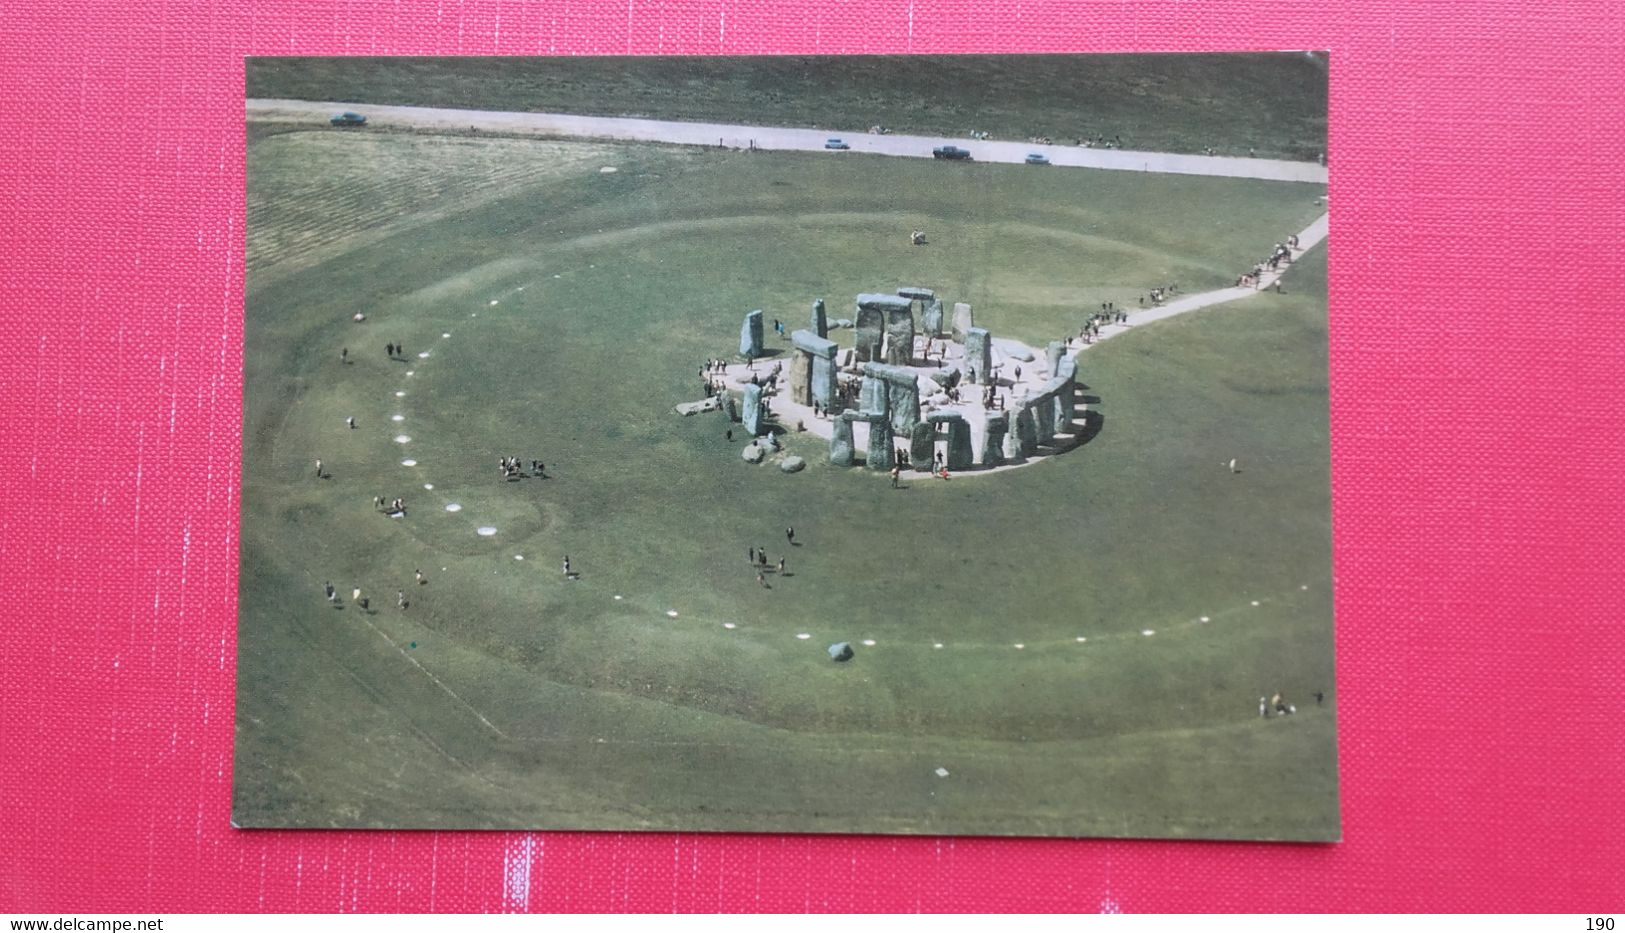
1037 158
348 119
835 144
950 152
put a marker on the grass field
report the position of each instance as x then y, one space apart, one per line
1273 103
578 305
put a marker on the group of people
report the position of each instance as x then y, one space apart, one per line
513 469
396 506
394 350
1279 256
757 557
1280 706
1158 295
364 602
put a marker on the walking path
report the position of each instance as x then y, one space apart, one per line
809 139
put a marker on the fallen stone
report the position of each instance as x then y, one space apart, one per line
841 651
1018 353
753 453
792 464
841 322
693 408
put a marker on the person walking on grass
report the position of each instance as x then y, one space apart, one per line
400 599
319 468
896 472
790 535
781 566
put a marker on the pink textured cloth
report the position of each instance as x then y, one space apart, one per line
1478 385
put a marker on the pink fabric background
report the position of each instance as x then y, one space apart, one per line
1478 385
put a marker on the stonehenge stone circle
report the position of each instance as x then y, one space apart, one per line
879 453
750 335
979 354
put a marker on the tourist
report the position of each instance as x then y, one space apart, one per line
355 595
761 556
400 598
389 349
351 422
729 434
318 468
1263 708
790 535
762 579
362 602
344 354
1232 465
1319 696
944 473
896 471
750 555
327 589
420 578
1278 703
781 566
567 565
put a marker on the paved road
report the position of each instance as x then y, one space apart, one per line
782 138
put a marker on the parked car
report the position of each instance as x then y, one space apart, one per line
1037 158
835 144
949 152
348 119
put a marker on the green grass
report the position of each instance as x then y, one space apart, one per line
1274 103
606 713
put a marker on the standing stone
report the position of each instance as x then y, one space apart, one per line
922 444
1026 429
1060 422
731 408
993 439
1043 419
753 410
880 452
872 396
820 320
900 336
979 354
750 335
1012 441
870 332
959 455
1068 393
801 377
1053 354
963 321
931 319
840 443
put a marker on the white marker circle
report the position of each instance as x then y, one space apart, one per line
942 772
428 485
453 507
397 417
727 625
1081 639
1255 602
936 644
803 636
1202 619
493 302
485 531
402 438
400 395
444 336
672 613
869 642
1148 632
424 355
409 463
619 596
